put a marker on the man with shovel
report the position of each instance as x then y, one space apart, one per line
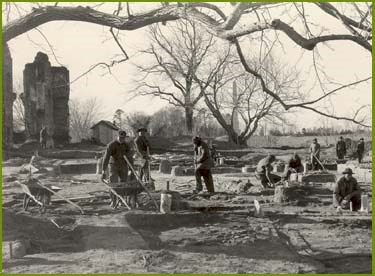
315 154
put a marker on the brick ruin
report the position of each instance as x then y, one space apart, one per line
46 100
8 98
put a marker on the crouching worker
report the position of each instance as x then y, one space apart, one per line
294 165
347 190
263 172
203 164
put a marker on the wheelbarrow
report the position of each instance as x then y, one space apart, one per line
123 192
40 195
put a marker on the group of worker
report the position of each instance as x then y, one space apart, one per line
347 193
119 157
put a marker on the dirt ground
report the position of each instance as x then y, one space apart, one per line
208 234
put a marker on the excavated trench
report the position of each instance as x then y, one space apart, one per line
234 233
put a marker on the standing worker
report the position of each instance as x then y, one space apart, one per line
347 190
43 137
114 156
341 148
315 154
213 153
142 147
263 171
203 164
360 149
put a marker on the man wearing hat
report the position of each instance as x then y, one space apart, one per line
360 149
142 147
341 148
263 172
114 157
315 154
347 190
203 164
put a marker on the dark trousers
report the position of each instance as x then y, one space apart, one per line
289 171
43 144
355 200
117 173
360 156
144 174
264 180
315 164
207 177
340 155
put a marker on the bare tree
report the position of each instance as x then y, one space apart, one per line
19 119
83 115
137 120
295 21
168 122
237 100
177 57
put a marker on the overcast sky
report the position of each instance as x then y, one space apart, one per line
80 45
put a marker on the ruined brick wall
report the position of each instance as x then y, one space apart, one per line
60 88
42 107
8 97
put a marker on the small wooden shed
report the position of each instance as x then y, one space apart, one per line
104 131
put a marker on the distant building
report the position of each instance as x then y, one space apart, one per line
104 132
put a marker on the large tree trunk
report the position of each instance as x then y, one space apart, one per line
189 120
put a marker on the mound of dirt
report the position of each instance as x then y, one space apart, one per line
253 158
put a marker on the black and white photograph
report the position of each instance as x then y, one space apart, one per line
187 137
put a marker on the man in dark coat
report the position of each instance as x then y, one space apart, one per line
114 157
142 147
203 164
294 165
341 148
263 172
347 190
360 150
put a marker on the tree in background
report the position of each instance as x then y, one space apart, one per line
231 96
137 120
83 115
177 53
283 25
168 122
19 119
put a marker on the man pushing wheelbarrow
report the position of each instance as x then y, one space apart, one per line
118 167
